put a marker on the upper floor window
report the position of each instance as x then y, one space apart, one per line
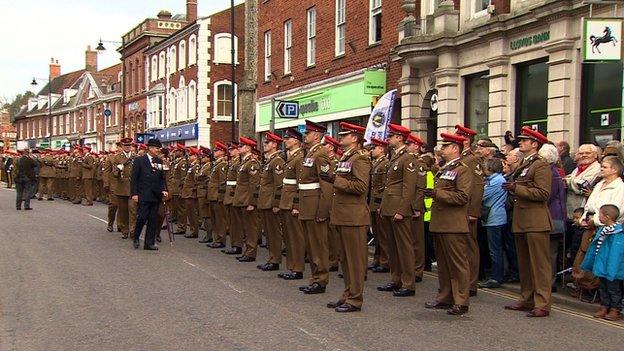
192 50
173 58
182 60
154 68
311 36
287 46
192 100
340 27
479 7
375 22
223 106
161 64
267 56
223 48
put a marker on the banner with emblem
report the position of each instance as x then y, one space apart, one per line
380 117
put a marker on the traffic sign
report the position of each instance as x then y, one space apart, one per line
107 112
434 102
287 109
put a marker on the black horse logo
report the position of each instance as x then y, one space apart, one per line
606 38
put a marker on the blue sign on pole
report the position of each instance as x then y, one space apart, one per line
143 138
287 109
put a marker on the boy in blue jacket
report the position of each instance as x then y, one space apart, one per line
605 259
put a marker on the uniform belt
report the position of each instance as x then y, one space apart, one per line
230 183
310 186
289 181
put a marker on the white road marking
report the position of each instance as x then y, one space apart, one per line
98 218
7 189
224 282
189 263
315 337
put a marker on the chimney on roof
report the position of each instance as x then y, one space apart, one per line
91 60
55 69
191 11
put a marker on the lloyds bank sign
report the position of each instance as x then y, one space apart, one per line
530 40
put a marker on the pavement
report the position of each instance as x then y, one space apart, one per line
68 284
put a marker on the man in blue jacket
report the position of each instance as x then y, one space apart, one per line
148 188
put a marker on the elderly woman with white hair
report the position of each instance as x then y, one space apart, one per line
556 204
582 179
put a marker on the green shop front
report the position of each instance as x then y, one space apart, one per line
348 98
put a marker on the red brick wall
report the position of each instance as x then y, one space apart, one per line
358 54
502 6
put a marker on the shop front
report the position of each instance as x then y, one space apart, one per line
59 143
349 97
186 134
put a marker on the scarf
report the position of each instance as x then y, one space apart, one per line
581 168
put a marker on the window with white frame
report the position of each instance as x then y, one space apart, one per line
182 104
374 22
287 46
479 7
223 48
223 106
182 59
161 65
159 110
55 125
192 100
67 130
173 58
154 74
267 56
311 59
172 106
192 50
116 113
340 27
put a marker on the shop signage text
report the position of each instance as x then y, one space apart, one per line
528 41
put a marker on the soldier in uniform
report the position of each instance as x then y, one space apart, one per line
180 170
63 175
396 213
379 171
215 193
46 177
189 194
202 179
331 145
294 240
314 205
110 188
122 172
269 195
414 144
474 162
75 175
350 215
234 222
88 174
246 198
449 227
99 173
531 224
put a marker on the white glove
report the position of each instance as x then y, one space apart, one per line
120 167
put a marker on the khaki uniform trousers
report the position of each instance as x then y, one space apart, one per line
190 216
179 211
316 237
535 269
418 230
219 218
334 246
234 226
78 190
473 255
381 241
453 269
249 230
126 215
294 241
112 209
46 186
400 251
203 209
273 232
353 260
88 190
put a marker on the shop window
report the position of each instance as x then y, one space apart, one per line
375 22
532 96
340 27
601 102
477 105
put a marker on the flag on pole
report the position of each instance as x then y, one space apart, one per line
380 117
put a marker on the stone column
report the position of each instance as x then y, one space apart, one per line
561 69
447 81
247 88
499 120
411 98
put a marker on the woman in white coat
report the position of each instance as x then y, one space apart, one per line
580 181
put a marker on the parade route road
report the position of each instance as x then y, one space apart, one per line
68 284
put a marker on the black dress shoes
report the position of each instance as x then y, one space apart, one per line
205 241
437 305
333 269
388 287
371 266
335 304
158 238
109 229
247 259
18 208
473 293
28 209
135 243
233 251
216 245
457 310
268 267
403 292
315 288
293 276
150 247
418 279
304 287
191 236
346 307
380 269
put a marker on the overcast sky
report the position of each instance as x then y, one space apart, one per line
33 31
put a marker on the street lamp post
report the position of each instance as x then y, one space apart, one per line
34 84
233 69
100 47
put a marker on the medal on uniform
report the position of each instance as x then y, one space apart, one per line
308 162
344 167
524 172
